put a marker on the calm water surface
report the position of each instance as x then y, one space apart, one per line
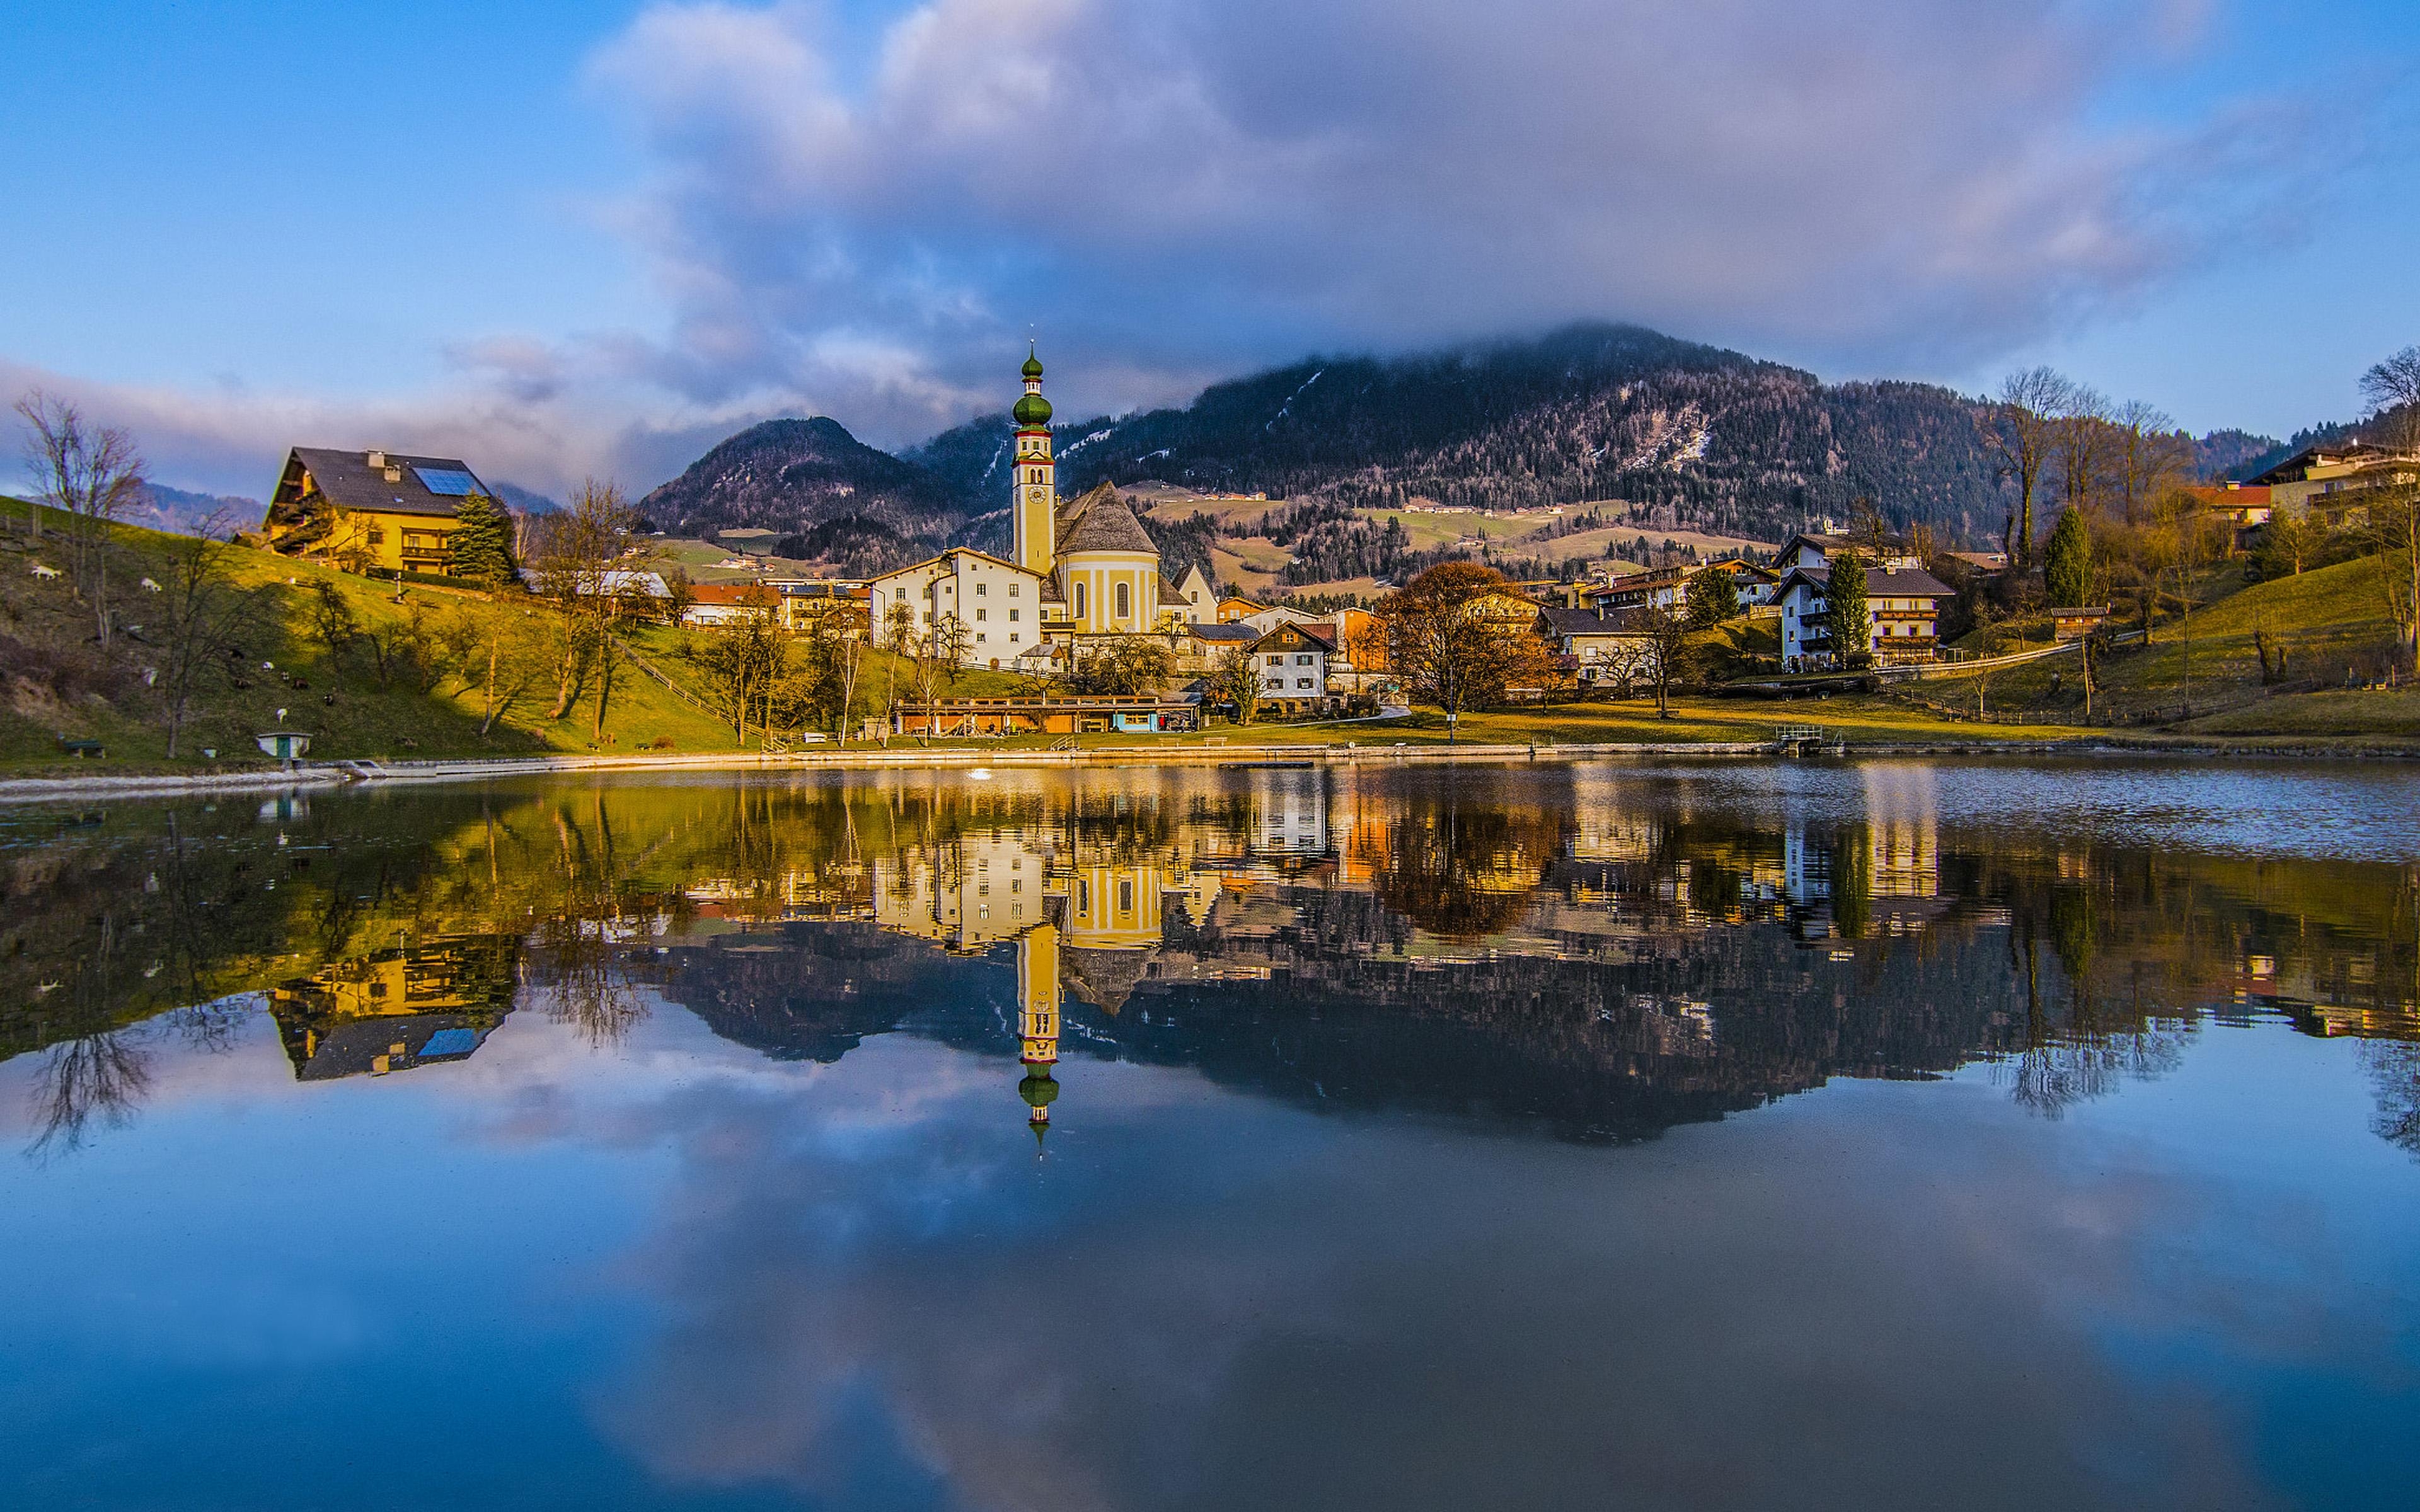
1873 1136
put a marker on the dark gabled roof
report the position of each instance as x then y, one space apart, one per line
1909 582
1170 598
1102 978
348 482
1234 633
2327 454
1101 521
1321 636
1833 543
1584 621
352 1047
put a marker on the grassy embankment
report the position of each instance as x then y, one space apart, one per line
2201 674
56 683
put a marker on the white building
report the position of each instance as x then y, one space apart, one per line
1294 666
1903 616
1076 569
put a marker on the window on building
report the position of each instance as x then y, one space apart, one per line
981 589
1012 592
982 614
1124 600
979 638
1277 661
1012 614
1277 684
1080 601
1011 637
1302 661
1302 682
1126 895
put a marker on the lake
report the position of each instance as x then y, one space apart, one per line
1872 1135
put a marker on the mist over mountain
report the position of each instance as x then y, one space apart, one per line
1693 437
1699 437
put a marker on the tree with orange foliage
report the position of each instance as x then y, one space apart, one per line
1453 636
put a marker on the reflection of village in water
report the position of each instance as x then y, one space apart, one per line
1595 951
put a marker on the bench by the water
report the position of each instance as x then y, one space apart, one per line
81 748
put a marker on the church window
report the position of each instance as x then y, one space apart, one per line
1012 614
1080 601
1126 895
1124 601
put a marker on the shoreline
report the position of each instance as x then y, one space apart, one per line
370 773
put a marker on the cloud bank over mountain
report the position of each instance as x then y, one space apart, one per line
1168 191
864 215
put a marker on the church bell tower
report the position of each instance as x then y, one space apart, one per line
1037 1024
1037 476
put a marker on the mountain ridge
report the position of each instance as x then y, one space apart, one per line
1683 434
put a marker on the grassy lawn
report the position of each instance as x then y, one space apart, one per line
301 688
2201 674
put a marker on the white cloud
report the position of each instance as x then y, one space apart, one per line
866 224
1182 187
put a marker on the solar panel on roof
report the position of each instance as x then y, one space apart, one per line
450 1043
446 481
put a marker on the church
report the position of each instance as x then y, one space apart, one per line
1077 570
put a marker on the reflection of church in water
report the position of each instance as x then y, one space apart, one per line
1088 916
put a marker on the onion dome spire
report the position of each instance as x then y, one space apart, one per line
1033 411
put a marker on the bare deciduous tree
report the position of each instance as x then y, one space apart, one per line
576 556
2150 457
2024 433
2392 389
2086 440
91 474
198 607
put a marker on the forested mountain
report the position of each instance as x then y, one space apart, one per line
1691 437
162 508
1701 436
835 497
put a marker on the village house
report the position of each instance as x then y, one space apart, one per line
1292 660
1665 588
1903 616
374 510
832 606
1819 549
1598 649
2330 477
716 605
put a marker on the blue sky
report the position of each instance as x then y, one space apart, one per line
589 237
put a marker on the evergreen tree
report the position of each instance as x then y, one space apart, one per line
481 544
2066 562
1713 597
1845 610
